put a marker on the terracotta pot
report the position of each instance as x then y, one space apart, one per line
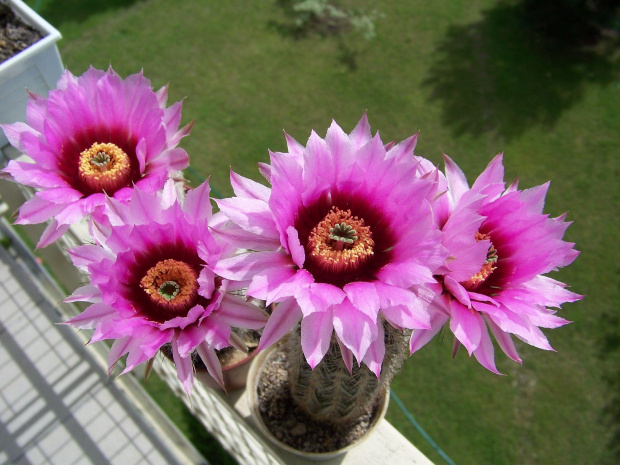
256 369
235 375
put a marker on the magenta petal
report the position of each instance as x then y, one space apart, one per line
364 297
507 320
197 205
189 339
37 210
354 328
376 352
119 347
179 161
185 368
209 358
316 333
361 134
106 329
404 148
250 214
266 284
550 292
13 133
318 297
295 248
392 295
470 255
73 213
168 197
503 340
347 356
534 197
53 232
216 332
32 175
284 317
91 316
482 298
405 274
457 182
232 235
150 345
457 291
135 357
291 287
265 170
116 213
206 281
546 318
183 321
485 354
244 187
239 313
87 293
403 308
421 337
175 159
465 325
243 267
294 147
492 174
141 154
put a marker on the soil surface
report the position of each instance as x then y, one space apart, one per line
15 35
290 425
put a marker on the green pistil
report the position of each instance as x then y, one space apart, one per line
343 233
101 160
169 290
491 255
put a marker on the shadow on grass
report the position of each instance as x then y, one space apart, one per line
497 75
299 27
58 12
610 356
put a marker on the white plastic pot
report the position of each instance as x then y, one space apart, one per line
36 68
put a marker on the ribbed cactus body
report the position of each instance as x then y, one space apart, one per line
329 392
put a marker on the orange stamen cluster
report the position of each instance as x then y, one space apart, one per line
104 167
172 284
340 253
487 269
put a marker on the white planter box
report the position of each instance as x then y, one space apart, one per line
36 68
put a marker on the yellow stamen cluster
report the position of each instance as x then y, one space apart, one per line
339 254
167 275
487 269
104 167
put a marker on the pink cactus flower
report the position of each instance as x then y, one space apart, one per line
152 283
95 135
501 245
344 232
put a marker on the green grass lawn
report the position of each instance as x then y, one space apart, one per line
472 79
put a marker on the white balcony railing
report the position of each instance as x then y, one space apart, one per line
226 416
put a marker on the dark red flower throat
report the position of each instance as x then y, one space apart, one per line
345 239
99 160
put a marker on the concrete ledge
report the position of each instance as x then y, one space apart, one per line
227 417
